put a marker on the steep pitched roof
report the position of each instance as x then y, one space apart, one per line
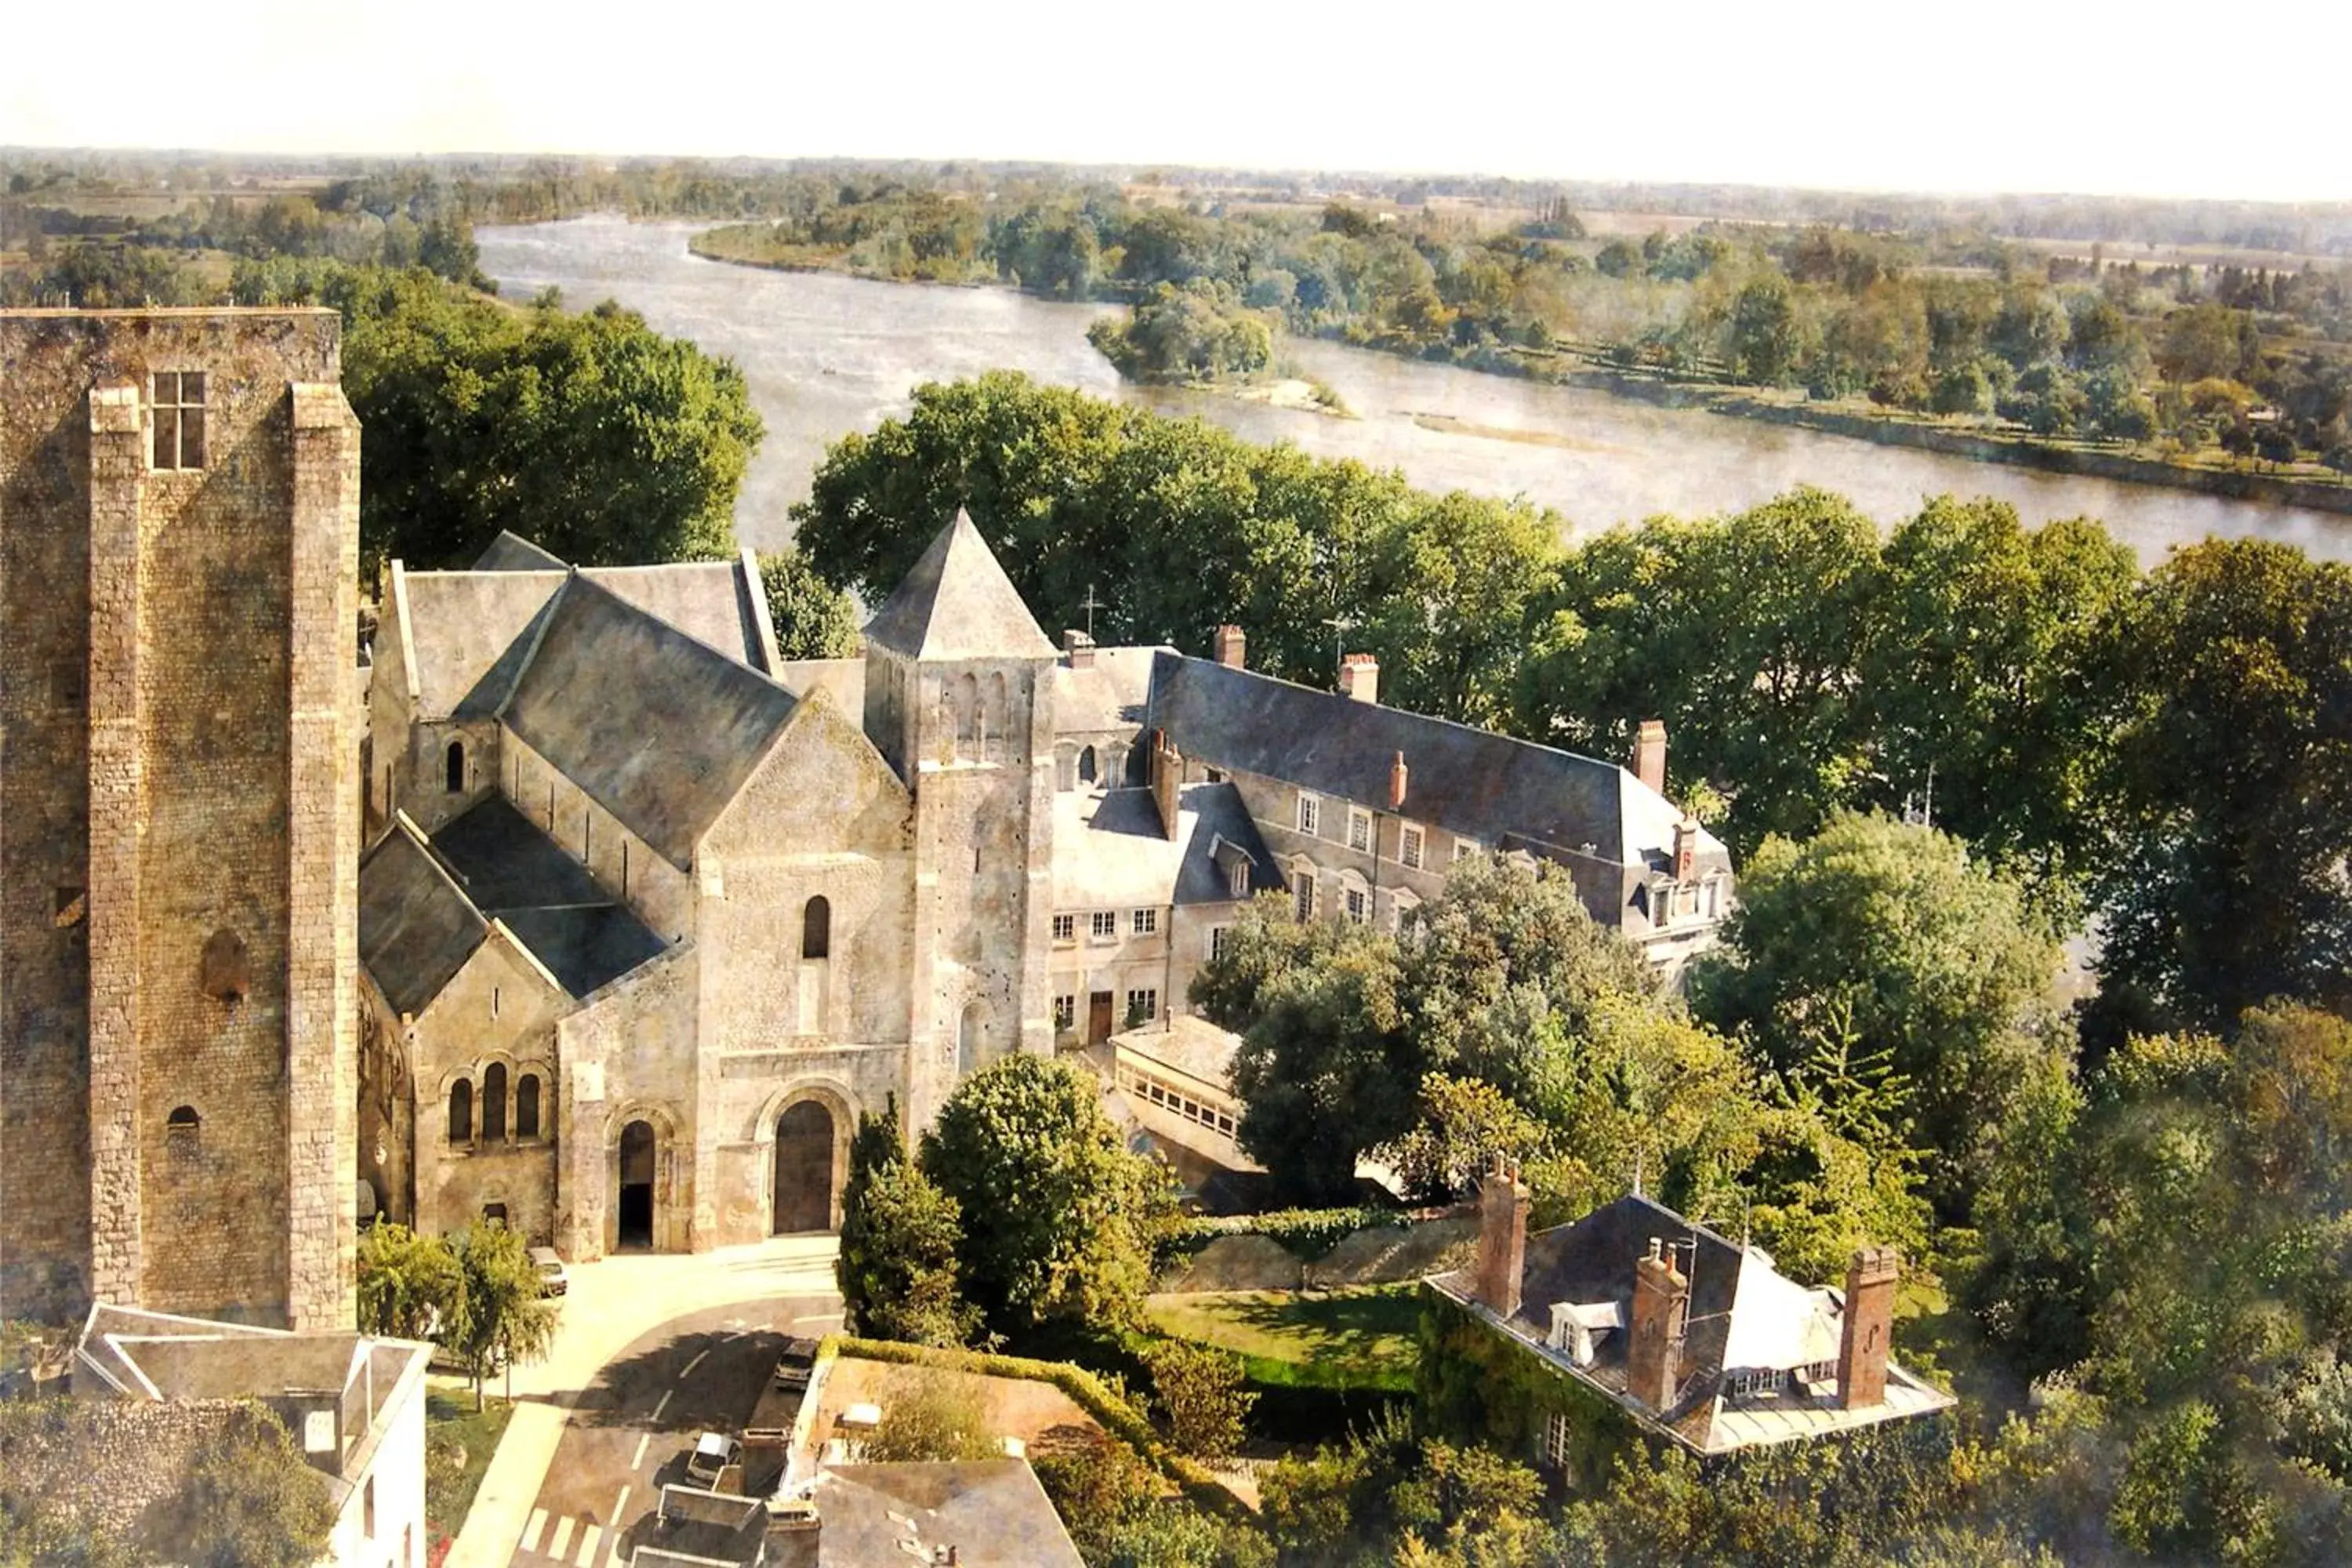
710 600
1470 782
1108 849
657 728
958 603
579 932
470 635
417 928
513 552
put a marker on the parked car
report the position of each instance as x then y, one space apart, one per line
552 1279
713 1452
794 1366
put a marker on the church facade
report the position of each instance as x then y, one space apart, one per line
649 915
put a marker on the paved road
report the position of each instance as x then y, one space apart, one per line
631 1430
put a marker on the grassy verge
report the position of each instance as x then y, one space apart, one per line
458 1444
1360 1337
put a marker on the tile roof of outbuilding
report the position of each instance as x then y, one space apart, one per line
957 603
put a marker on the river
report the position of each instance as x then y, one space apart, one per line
826 354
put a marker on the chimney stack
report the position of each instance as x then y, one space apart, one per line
1685 847
1869 1323
1077 651
1232 647
1398 777
1661 1309
1360 677
1167 782
1650 754
1502 1239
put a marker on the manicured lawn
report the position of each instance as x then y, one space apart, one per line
451 1477
1355 1337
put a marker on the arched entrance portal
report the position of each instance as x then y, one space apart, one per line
803 1168
637 1161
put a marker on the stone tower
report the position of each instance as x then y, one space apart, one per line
179 524
958 699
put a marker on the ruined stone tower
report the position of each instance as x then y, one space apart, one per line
179 511
957 697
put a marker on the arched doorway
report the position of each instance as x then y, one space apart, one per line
804 1169
637 1161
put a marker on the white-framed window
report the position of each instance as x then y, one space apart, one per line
1409 848
1360 830
1310 813
1556 1440
175 404
1401 904
1360 905
1238 879
1218 937
1464 847
1302 893
1106 925
1143 1005
1144 923
1065 1013
1757 1382
1065 928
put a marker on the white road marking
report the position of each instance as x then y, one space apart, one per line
531 1531
819 1317
643 1440
665 1403
589 1535
620 1514
692 1364
561 1538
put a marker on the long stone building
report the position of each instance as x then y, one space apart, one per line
649 915
179 501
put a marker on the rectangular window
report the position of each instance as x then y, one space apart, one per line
1465 846
1142 1006
1360 830
1310 813
1145 922
1302 894
1065 928
176 402
1409 848
1556 1440
1238 879
1217 941
1106 925
1360 905
1065 1013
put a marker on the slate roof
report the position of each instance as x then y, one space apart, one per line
993 1511
1743 1315
1505 793
417 928
1107 694
957 603
710 600
656 727
513 552
512 871
469 635
1108 849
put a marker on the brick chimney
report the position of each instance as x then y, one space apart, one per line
1661 1309
1870 1281
1360 677
1685 847
1650 754
1232 648
1398 778
1077 651
1167 782
1502 1239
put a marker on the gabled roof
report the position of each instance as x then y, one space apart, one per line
993 1511
656 727
512 553
1109 852
957 603
579 933
710 601
417 928
1470 782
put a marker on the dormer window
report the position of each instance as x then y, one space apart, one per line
176 406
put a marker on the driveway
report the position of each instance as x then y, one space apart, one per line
649 1343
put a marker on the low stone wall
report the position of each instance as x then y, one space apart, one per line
107 1463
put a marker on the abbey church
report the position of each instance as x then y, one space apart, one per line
650 915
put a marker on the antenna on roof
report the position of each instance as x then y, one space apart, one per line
1090 606
1341 626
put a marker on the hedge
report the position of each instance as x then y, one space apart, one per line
1117 1413
1308 1234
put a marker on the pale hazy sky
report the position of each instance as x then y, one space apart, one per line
2157 98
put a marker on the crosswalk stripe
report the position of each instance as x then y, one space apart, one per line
561 1538
531 1531
588 1537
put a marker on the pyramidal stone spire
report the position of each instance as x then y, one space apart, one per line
958 603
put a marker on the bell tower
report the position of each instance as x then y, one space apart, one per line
959 698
